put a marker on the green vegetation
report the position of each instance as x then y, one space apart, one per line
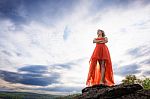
132 79
71 96
25 95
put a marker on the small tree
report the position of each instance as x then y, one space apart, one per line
146 83
129 79
132 79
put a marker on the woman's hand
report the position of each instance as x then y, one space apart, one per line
100 41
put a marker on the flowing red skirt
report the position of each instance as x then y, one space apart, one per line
100 52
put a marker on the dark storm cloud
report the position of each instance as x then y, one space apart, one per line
99 5
135 52
146 61
6 52
32 77
9 53
18 54
127 69
69 64
139 51
146 73
34 69
64 65
39 80
34 74
9 9
46 11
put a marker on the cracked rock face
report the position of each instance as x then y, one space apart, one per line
133 91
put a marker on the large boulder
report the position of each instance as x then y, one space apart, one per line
132 91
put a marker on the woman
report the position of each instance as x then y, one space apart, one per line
100 71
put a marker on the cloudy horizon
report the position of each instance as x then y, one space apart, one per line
45 45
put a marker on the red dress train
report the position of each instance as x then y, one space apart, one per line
100 52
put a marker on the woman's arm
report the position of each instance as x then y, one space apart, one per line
104 41
97 41
100 41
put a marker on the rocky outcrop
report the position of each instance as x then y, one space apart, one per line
133 91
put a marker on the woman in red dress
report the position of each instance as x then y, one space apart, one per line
100 71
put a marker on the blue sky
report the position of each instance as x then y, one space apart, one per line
45 45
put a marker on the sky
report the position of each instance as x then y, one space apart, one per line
45 45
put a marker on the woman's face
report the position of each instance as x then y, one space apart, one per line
99 33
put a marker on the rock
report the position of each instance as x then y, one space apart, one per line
133 91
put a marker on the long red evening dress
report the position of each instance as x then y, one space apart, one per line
100 52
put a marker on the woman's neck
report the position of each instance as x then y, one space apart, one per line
99 37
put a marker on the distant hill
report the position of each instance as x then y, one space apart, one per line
25 95
28 95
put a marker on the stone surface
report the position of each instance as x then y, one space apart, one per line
133 91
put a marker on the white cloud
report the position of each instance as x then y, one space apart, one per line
42 44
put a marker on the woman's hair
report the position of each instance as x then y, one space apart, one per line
103 33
